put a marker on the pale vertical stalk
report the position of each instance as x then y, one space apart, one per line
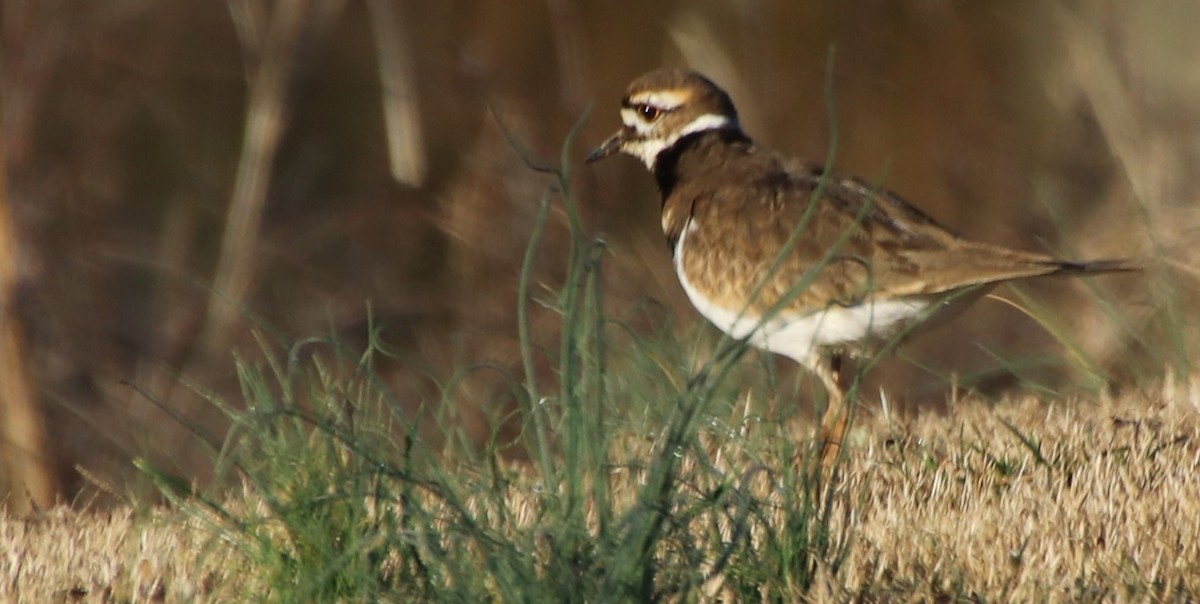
23 451
33 34
401 110
567 27
265 118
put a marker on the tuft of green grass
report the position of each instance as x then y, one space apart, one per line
647 481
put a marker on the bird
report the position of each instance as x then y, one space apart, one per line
789 258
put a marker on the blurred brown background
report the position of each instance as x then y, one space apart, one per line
303 158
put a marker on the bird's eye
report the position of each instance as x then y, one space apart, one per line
648 112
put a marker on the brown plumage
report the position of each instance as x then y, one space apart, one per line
863 264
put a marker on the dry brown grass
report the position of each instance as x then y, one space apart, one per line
156 163
962 500
1026 500
68 556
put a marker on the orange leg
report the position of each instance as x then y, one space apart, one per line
837 414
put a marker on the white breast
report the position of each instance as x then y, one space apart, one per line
799 336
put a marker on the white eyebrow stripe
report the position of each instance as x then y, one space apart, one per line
663 99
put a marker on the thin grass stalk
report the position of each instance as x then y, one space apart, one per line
654 499
655 496
729 344
536 411
1167 297
574 334
810 210
598 434
1020 368
549 474
736 348
1041 315
570 348
1112 315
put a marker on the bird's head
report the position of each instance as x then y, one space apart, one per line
662 107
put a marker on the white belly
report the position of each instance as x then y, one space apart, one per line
799 336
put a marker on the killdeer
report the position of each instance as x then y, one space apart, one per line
793 260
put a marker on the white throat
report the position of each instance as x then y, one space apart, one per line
648 149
